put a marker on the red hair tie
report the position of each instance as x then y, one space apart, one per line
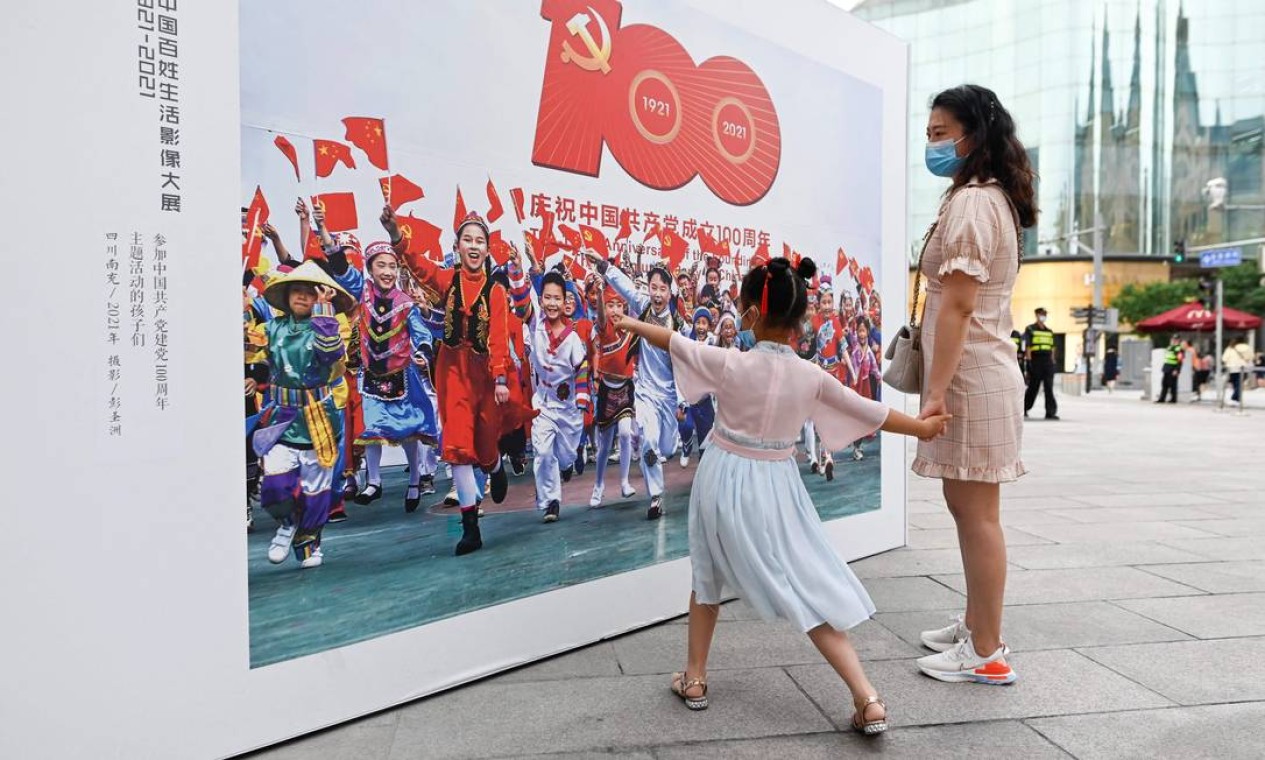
764 295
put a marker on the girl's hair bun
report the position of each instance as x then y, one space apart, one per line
807 268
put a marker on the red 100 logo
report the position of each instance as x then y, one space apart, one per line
665 118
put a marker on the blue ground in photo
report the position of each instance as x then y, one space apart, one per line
387 571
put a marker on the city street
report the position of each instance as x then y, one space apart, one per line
1136 612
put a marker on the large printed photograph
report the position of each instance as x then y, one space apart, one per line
443 206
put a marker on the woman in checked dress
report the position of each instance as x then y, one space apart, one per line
753 528
970 263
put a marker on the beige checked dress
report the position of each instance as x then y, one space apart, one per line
976 233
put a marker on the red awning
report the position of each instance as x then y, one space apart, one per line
1193 317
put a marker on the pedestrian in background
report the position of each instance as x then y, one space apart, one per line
1038 341
1174 355
1110 369
1237 360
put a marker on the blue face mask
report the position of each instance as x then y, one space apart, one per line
942 157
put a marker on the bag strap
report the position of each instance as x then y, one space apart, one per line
914 316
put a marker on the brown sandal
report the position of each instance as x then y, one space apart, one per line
869 727
680 685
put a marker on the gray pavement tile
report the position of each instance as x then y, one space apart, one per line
1216 577
967 741
904 562
924 506
1206 617
1136 514
1079 585
1050 683
913 593
1048 626
491 719
1236 510
591 754
369 738
1247 496
1114 532
1213 732
1222 549
745 644
1042 502
1192 672
735 610
1232 528
947 538
1163 498
594 661
1057 556
1013 519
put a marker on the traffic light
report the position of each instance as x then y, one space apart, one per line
1179 251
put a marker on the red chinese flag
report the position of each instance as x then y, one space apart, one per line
287 147
761 256
575 267
398 190
854 269
673 247
421 237
573 238
329 154
625 226
499 250
370 136
460 213
709 245
340 211
594 240
312 247
256 218
533 247
652 232
867 279
548 241
495 209
516 195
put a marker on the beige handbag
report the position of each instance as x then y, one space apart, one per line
904 353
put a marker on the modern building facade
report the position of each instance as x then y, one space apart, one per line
1148 114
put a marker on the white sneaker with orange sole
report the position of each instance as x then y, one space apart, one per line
962 664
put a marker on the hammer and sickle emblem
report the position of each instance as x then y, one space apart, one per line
599 57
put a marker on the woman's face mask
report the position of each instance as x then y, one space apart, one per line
942 157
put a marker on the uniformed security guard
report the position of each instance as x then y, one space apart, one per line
1173 358
1016 337
1038 341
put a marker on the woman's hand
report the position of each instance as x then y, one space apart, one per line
252 387
501 395
325 295
933 405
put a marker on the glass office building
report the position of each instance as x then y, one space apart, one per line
1147 112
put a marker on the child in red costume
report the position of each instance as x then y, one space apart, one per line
478 403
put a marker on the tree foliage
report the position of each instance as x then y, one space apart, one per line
1137 301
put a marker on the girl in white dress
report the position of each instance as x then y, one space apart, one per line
753 528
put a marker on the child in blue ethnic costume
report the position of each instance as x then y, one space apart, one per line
301 426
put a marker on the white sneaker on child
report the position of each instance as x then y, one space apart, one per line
944 639
279 549
313 561
599 491
962 664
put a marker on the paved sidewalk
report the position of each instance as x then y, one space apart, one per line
1136 610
